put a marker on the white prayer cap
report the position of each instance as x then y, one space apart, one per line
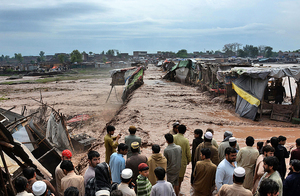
126 173
239 172
102 193
232 139
39 188
208 135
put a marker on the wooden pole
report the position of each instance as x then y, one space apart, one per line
109 93
291 90
2 181
6 170
21 119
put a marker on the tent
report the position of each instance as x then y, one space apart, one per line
180 71
251 84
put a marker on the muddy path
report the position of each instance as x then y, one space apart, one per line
158 103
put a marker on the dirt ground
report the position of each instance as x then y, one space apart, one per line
152 108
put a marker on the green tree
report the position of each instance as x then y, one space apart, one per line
90 53
229 49
42 56
241 53
182 53
32 62
110 53
2 58
251 51
61 58
6 58
268 51
76 56
103 52
261 50
19 57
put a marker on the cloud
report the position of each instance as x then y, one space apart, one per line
149 24
38 19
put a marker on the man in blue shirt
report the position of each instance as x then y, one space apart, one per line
225 169
117 163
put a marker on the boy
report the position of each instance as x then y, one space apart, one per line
143 185
162 187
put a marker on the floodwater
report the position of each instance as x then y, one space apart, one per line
152 108
156 105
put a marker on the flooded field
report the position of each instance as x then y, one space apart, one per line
153 108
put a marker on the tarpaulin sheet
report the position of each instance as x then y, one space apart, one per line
263 72
251 89
56 134
78 118
182 64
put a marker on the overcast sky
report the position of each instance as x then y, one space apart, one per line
52 26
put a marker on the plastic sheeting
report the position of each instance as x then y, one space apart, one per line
255 88
263 72
181 73
56 134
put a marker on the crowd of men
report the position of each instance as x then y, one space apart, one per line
223 169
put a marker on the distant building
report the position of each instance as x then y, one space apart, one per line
138 54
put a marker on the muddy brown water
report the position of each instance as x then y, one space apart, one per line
152 108
159 103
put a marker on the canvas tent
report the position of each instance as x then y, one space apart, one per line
251 83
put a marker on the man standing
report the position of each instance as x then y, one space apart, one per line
20 186
132 138
268 151
237 187
226 168
173 155
30 174
270 168
110 145
117 163
246 158
281 154
126 181
204 174
295 154
180 140
214 157
162 188
213 141
134 161
174 131
198 140
224 144
71 179
268 187
59 174
291 185
154 161
93 159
